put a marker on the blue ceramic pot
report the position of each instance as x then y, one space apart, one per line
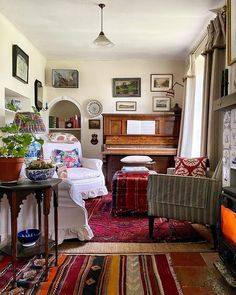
28 237
39 175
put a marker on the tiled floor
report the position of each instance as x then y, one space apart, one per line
197 275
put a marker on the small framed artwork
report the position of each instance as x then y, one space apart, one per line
126 105
161 82
94 124
126 87
65 78
161 104
231 31
20 64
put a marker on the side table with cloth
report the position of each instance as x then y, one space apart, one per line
129 191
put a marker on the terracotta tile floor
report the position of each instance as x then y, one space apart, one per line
197 274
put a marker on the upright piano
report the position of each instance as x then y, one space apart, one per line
119 142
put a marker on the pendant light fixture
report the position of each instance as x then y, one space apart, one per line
102 40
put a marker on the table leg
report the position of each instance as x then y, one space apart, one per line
14 214
55 202
46 210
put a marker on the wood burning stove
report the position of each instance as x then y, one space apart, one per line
227 228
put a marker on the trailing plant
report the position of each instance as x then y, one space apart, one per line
14 143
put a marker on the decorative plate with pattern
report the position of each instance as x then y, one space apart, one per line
94 108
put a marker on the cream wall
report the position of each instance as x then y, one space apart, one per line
9 35
95 82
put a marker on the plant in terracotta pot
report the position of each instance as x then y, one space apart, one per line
14 146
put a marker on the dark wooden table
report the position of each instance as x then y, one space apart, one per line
43 191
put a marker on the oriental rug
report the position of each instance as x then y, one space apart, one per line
134 228
93 275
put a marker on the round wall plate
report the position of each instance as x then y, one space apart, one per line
94 108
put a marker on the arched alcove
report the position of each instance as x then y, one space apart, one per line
65 116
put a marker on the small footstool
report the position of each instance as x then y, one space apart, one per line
129 192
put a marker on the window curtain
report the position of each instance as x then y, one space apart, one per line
186 128
214 54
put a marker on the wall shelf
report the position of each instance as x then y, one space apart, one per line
9 111
225 102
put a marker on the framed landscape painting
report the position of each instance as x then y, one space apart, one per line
161 82
65 78
126 105
161 104
126 87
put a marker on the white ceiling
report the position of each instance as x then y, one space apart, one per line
139 28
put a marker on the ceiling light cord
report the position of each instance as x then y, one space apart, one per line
102 41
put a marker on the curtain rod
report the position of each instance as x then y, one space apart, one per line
196 47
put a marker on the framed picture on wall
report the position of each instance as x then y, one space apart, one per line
126 87
161 82
161 104
126 105
20 64
94 124
65 78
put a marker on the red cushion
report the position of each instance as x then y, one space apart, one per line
191 166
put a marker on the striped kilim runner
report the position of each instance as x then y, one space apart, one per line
92 275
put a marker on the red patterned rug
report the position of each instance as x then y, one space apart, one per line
134 229
87 275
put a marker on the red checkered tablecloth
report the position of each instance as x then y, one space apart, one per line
129 192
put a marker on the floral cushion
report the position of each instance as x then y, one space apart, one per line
191 166
68 158
62 137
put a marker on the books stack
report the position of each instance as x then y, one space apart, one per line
135 169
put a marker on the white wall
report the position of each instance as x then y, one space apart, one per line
9 35
95 82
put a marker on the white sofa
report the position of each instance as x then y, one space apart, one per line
81 183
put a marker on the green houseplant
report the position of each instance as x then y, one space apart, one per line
14 146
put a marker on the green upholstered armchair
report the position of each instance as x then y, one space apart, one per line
187 198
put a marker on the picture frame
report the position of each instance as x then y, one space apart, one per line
20 64
65 78
126 106
126 87
94 123
161 82
231 32
160 104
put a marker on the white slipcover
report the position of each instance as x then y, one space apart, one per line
81 183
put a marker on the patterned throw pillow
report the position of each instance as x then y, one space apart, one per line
62 137
191 166
68 158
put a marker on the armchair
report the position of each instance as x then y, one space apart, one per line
80 183
187 198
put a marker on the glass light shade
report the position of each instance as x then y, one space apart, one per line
102 41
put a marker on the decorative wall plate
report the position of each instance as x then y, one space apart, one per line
94 108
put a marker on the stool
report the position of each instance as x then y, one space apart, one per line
129 191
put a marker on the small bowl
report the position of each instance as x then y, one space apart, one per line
28 237
40 174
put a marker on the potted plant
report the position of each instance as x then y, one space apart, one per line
14 146
39 170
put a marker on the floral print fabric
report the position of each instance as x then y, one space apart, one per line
68 158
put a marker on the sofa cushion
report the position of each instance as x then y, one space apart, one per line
191 166
81 173
68 158
136 159
62 137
